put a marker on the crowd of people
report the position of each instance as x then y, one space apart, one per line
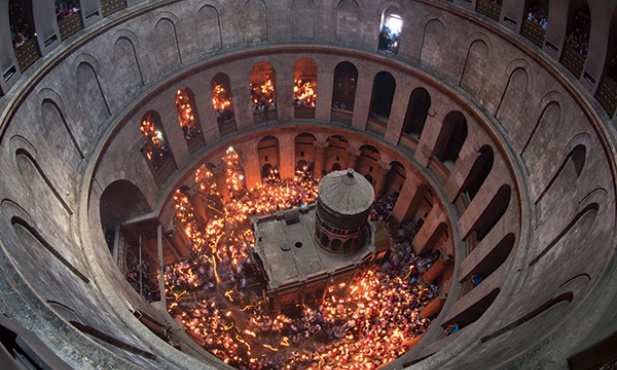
219 294
142 274
538 16
578 37
66 8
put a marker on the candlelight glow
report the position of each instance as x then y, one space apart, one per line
220 297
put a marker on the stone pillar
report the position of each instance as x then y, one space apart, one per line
320 157
221 184
8 61
241 100
382 176
433 308
323 106
397 113
284 92
408 201
363 99
252 170
428 140
204 108
47 32
352 159
432 229
437 269
287 156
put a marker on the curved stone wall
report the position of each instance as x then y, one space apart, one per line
70 130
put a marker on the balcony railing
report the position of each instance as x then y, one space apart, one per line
70 25
573 61
533 32
607 95
109 7
27 54
490 9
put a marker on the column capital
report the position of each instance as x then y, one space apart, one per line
321 146
384 167
353 152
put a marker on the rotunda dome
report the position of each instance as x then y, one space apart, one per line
346 192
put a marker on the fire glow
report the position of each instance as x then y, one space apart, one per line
362 325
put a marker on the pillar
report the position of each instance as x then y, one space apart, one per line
221 184
352 158
433 308
287 156
323 106
428 140
437 269
432 229
320 157
409 200
241 100
382 176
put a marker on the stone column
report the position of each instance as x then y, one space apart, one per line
433 308
287 154
320 157
428 140
437 269
252 170
323 107
363 99
352 159
408 201
221 184
241 99
382 176
432 229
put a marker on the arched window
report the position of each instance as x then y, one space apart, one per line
382 96
305 88
344 91
187 116
493 212
263 99
479 172
155 149
577 38
417 112
221 100
304 147
268 153
455 127
396 177
390 30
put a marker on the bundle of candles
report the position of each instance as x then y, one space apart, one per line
219 295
